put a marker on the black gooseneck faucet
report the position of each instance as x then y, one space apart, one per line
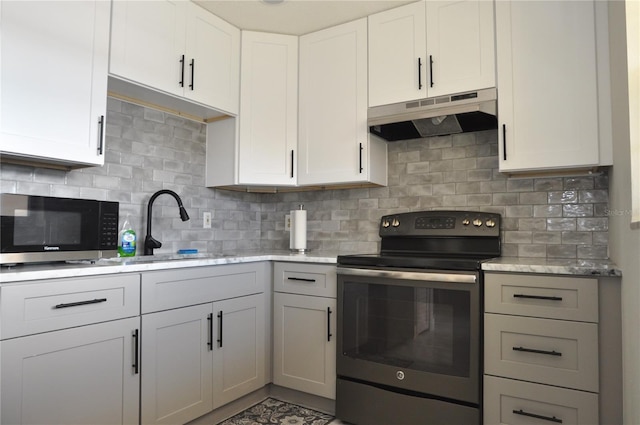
149 242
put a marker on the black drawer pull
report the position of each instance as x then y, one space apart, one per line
181 71
101 135
136 354
537 297
329 334
193 70
301 279
504 142
96 301
532 350
220 329
533 415
430 70
210 339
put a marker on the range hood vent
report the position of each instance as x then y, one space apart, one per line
439 116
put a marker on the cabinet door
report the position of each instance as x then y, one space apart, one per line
148 43
547 97
334 145
213 60
177 365
53 80
460 46
83 375
304 347
397 55
239 347
268 109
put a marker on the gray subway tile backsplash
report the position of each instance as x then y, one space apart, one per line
149 150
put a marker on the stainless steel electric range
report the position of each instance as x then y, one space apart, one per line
410 321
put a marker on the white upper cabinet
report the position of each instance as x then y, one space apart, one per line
460 46
548 109
397 55
268 109
53 81
148 43
430 48
178 48
334 145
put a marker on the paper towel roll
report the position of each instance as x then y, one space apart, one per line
298 237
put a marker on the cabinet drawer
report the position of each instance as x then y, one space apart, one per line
522 403
48 305
168 289
305 279
551 352
568 298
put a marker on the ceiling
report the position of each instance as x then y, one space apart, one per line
295 17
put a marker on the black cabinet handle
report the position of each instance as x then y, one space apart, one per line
329 335
136 341
220 329
292 157
531 350
193 70
361 148
210 325
504 142
67 305
537 297
100 134
419 74
301 279
533 415
181 82
430 70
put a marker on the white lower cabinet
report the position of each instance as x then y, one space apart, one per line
83 375
204 339
523 403
304 328
305 343
541 350
238 347
69 351
177 375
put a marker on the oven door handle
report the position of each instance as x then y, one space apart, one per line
423 276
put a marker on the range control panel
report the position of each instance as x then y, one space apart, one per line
441 223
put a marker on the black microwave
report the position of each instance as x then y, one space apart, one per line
44 229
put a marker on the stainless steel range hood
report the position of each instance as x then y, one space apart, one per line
462 112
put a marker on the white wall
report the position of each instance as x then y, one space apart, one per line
624 242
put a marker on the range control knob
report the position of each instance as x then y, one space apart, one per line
386 223
395 222
477 222
490 223
466 222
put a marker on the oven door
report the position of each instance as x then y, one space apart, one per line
416 331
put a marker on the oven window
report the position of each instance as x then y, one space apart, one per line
419 328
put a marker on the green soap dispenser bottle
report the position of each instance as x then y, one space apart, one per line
126 240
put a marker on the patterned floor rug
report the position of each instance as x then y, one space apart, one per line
272 411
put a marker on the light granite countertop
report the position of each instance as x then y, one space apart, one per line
553 266
26 273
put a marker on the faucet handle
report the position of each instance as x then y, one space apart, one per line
150 243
